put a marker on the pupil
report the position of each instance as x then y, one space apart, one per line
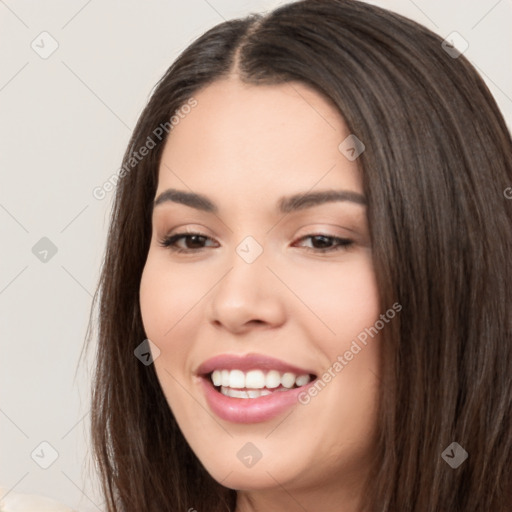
195 239
324 241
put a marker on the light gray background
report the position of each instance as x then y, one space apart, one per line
64 125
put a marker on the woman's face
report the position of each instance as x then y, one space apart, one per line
273 290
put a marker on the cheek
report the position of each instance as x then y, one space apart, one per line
167 300
166 297
343 297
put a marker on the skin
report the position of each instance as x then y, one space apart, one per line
245 147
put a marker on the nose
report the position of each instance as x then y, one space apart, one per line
248 296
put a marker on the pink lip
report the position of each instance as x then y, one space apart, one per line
248 362
249 410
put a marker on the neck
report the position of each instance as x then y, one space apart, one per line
340 496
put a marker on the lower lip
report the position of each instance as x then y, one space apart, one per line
250 410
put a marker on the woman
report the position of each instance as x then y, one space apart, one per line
305 300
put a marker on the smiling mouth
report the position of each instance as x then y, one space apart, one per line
256 383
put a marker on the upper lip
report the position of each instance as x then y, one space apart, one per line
246 362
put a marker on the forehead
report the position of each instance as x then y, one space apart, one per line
258 140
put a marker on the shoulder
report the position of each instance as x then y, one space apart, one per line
16 502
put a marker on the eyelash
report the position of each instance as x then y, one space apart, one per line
168 242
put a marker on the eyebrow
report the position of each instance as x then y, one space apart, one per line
285 204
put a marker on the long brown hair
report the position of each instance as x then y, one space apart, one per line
435 168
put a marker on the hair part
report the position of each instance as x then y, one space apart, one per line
436 163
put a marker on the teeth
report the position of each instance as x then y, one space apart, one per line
234 393
302 380
249 393
255 379
255 383
288 380
217 378
236 379
273 379
255 393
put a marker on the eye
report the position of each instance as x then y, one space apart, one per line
196 241
324 243
193 241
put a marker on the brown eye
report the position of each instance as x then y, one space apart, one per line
324 243
193 242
